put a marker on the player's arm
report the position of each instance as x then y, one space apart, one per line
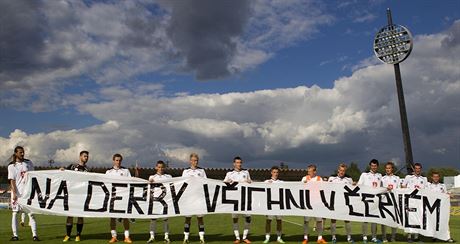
13 189
361 179
227 178
249 178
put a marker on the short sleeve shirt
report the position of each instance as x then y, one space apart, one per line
77 167
122 171
391 181
415 182
337 179
238 176
308 178
17 171
198 172
370 179
439 187
157 177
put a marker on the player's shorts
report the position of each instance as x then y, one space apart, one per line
277 217
15 207
198 216
306 218
235 216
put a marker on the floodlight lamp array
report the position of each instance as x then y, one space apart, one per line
393 44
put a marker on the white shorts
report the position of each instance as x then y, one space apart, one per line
235 216
277 217
306 218
15 207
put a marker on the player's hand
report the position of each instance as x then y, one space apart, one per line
15 197
249 181
61 169
151 180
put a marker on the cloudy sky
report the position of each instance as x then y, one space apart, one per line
293 81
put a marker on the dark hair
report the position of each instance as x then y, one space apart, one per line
12 159
84 152
418 164
160 162
390 163
374 161
237 158
311 166
275 167
117 155
434 172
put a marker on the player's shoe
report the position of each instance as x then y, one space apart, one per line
14 238
384 240
451 240
334 240
247 241
267 240
321 241
279 240
202 241
186 241
35 238
350 240
151 240
66 238
77 238
305 241
167 241
375 240
113 239
237 241
127 240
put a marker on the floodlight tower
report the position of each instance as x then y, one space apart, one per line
392 45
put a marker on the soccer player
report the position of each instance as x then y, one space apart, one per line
194 171
17 170
311 176
372 179
80 166
390 181
274 171
239 175
415 181
437 186
160 175
118 171
342 178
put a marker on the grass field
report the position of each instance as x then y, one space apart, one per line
51 229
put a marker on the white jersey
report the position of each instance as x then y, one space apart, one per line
17 171
118 172
415 182
241 176
273 181
308 178
370 179
343 180
391 181
157 177
438 187
198 172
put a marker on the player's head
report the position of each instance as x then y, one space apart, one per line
84 156
117 158
237 163
311 170
275 172
374 165
435 177
160 167
18 155
389 168
417 169
194 158
341 170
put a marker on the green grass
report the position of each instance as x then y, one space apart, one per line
51 229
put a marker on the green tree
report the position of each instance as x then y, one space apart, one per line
353 171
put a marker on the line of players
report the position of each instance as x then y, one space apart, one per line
19 166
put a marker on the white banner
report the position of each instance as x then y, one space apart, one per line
78 194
